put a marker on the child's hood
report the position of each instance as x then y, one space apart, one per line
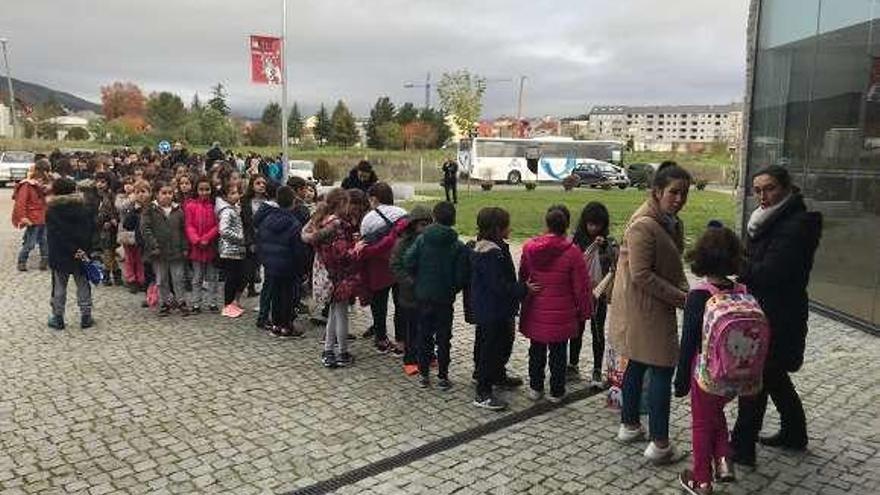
545 249
484 246
274 219
440 235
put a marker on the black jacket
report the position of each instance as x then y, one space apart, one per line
279 246
69 227
780 258
495 292
355 182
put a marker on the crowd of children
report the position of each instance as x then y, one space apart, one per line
176 232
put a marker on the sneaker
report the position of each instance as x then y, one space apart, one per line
572 374
383 346
686 479
555 399
660 456
345 359
597 381
444 384
328 359
22 267
424 381
510 382
196 310
490 402
86 321
213 308
370 331
56 322
535 394
238 306
165 310
411 369
231 311
629 435
44 265
724 471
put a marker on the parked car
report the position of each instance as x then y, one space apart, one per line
301 168
596 173
641 174
14 166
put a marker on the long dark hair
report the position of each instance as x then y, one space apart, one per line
594 212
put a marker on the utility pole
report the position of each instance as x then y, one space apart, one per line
285 164
426 85
3 42
519 103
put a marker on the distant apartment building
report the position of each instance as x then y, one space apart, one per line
667 128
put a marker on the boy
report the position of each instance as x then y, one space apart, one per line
438 261
165 246
69 227
281 253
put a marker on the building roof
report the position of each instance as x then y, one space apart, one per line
624 109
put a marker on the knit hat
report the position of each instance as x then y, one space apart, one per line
419 212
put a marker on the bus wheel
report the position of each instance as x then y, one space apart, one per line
514 178
622 187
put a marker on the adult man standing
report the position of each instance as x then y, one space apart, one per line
361 177
781 241
450 180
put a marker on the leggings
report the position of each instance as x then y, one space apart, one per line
597 328
234 272
337 328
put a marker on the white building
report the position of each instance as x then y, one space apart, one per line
65 123
5 121
668 128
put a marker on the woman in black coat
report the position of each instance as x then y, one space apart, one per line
781 241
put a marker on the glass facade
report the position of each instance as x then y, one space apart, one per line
816 110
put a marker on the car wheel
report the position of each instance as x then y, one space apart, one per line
514 178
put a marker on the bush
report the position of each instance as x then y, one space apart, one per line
530 186
701 184
77 134
486 185
324 173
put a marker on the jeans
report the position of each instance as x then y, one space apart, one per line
492 354
336 337
59 293
708 430
33 236
597 329
659 397
205 284
750 418
538 362
233 271
435 328
169 278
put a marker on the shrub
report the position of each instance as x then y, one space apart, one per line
324 172
77 134
701 184
530 186
486 185
569 182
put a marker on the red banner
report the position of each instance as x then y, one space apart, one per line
265 60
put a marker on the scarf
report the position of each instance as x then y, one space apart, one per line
761 215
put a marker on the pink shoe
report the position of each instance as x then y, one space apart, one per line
238 307
230 311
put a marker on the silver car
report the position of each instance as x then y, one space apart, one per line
14 166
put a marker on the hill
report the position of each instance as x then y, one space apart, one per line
34 94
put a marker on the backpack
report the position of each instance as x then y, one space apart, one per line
736 337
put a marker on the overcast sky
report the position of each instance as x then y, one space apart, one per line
575 53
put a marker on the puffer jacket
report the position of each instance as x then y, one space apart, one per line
336 252
30 203
69 227
164 236
439 263
494 293
557 266
231 243
280 249
376 258
202 229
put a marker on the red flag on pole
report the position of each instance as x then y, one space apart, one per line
265 60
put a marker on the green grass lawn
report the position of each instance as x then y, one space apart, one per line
527 208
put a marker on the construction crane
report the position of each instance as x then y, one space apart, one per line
426 85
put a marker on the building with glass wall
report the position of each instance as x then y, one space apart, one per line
813 105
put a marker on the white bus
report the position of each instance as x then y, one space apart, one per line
504 160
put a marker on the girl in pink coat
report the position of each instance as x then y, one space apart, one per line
551 316
201 232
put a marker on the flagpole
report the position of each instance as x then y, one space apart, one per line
285 163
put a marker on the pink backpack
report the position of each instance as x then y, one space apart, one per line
736 337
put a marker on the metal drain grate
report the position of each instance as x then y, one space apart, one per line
437 446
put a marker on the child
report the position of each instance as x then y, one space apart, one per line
494 296
332 235
69 227
165 247
184 190
438 261
133 243
202 231
592 230
717 255
108 224
29 213
550 317
254 197
405 306
281 253
231 248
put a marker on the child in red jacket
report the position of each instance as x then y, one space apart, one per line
29 212
201 233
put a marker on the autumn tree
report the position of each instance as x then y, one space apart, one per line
461 96
419 135
122 99
406 114
437 119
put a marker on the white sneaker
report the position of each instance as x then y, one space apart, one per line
628 435
535 394
660 456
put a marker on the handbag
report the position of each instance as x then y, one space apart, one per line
126 237
594 264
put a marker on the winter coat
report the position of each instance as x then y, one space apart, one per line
376 259
553 314
780 258
494 293
69 227
231 243
247 211
438 261
450 172
406 283
131 221
355 182
30 203
164 236
336 252
202 229
280 249
649 285
107 221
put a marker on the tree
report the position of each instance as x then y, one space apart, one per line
322 126
166 115
196 105
461 95
295 123
437 118
406 114
218 100
419 134
382 112
272 115
122 130
390 135
261 134
122 99
77 134
343 130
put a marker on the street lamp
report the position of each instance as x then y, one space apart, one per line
3 42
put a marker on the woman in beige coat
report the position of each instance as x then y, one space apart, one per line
650 284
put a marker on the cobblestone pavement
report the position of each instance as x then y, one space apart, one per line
140 404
